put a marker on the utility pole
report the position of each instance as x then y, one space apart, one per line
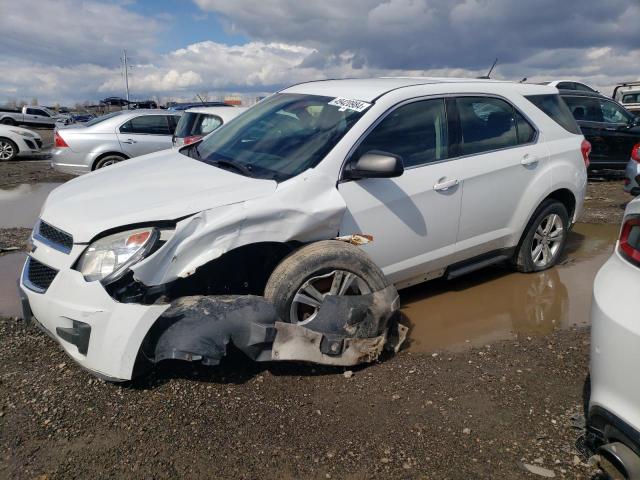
126 74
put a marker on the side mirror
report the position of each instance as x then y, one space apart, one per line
375 164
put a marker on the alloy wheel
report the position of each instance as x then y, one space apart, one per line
6 151
547 240
307 300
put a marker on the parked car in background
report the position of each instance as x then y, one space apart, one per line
570 85
269 203
112 138
197 123
16 141
32 116
186 106
609 127
628 94
613 391
632 172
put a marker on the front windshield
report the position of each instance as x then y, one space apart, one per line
280 137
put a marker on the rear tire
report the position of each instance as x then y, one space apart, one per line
107 160
318 268
9 121
8 150
544 238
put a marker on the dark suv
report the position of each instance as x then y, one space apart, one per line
610 128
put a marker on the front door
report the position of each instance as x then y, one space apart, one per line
413 218
145 134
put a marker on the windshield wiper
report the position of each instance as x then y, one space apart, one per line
243 169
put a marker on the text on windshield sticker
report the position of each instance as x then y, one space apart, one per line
349 104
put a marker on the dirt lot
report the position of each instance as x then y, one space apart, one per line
481 412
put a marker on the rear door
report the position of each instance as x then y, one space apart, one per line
501 158
622 133
413 218
146 134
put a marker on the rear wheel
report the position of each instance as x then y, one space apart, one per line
8 150
544 238
8 121
299 284
108 160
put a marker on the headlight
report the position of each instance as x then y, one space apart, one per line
24 134
109 258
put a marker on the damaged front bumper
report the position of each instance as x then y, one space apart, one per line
106 337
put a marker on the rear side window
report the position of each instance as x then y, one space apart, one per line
148 125
586 109
36 111
416 131
487 124
526 133
631 98
555 108
197 124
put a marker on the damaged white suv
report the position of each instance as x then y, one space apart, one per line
288 231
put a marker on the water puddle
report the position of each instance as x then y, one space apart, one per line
497 304
21 205
10 268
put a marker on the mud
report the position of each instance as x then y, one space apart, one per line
10 267
498 304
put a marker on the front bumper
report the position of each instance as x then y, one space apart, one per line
615 342
100 334
29 146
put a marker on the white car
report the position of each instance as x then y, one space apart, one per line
288 231
16 141
632 172
613 414
197 123
571 85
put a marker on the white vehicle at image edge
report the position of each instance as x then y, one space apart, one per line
197 123
632 172
16 141
112 138
422 177
613 390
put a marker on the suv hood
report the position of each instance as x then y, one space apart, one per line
161 186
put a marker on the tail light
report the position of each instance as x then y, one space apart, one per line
585 148
629 243
635 152
192 139
59 141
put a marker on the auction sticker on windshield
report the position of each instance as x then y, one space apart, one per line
349 104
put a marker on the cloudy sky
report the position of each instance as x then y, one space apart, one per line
69 50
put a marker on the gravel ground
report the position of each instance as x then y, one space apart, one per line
480 413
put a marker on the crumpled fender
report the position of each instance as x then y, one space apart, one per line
347 330
306 208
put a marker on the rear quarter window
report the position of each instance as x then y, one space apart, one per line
557 110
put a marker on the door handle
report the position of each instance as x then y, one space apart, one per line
129 141
529 159
439 187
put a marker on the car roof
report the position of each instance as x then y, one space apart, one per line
370 89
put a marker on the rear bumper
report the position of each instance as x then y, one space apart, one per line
65 160
615 352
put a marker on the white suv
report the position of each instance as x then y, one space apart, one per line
288 231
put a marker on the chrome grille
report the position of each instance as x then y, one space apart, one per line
38 276
54 237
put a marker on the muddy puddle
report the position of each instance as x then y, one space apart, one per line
10 268
497 304
21 205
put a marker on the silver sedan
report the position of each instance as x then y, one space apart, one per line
112 138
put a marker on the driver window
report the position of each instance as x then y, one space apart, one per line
612 113
416 131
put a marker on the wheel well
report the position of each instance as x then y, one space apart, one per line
567 198
106 154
